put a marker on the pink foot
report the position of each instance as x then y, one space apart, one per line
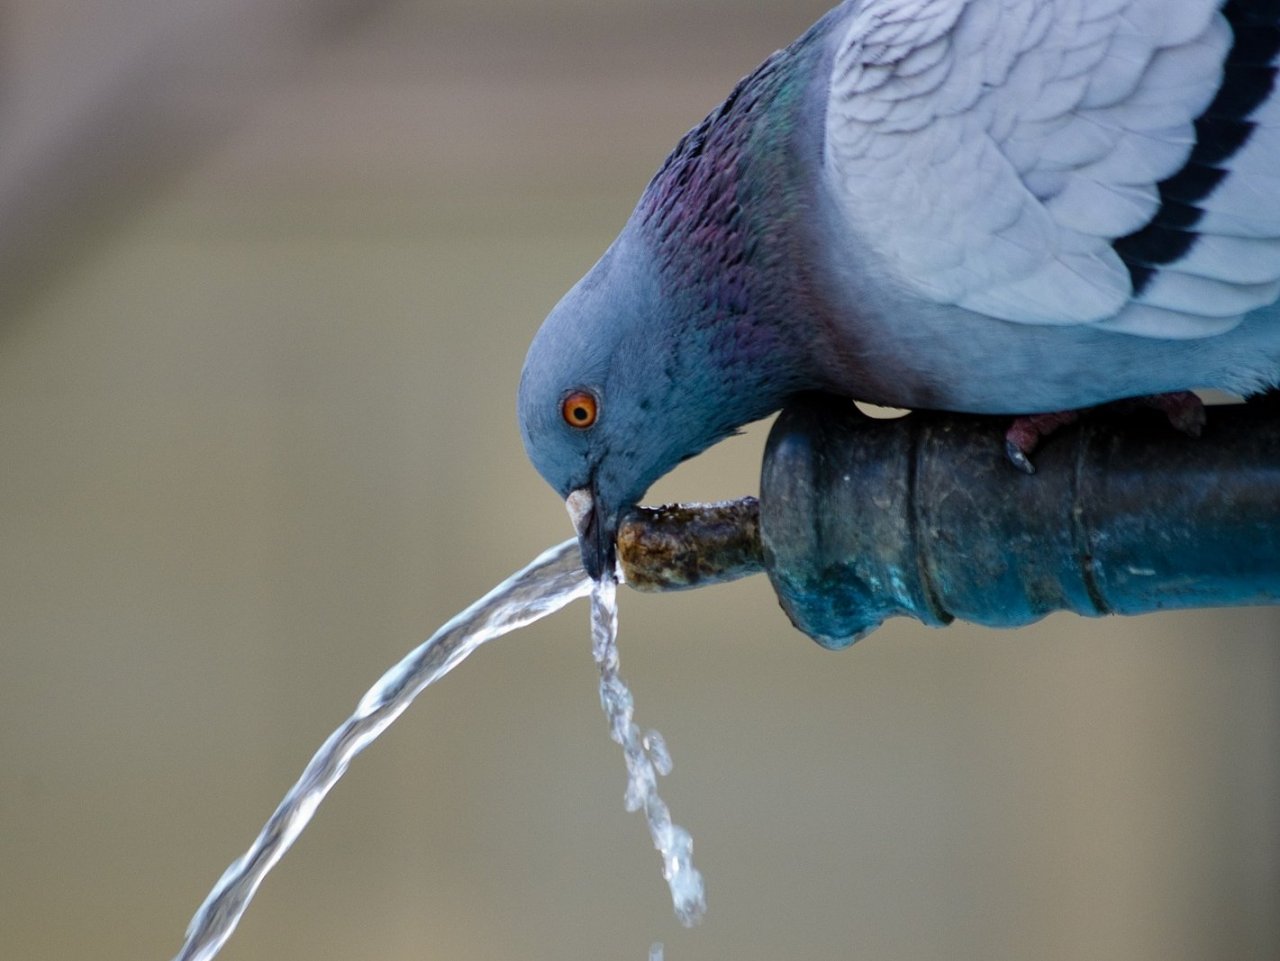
1026 432
1184 410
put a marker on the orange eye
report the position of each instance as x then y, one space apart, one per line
579 409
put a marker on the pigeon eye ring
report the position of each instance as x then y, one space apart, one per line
580 409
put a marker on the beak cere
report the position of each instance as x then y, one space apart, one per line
595 535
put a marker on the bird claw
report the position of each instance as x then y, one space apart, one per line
1183 409
1018 457
1025 433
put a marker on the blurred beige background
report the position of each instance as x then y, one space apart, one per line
268 272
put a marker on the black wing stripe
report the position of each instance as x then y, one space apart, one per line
1249 78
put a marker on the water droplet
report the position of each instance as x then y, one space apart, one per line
656 746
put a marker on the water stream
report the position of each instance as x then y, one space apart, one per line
551 581
647 758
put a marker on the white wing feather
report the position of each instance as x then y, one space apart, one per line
989 152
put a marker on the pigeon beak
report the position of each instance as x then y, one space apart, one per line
595 532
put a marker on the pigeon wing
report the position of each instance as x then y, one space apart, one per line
1108 162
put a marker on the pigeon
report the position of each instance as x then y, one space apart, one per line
1009 207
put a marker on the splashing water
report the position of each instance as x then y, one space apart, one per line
551 581
647 758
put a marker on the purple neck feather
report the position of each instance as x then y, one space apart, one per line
722 219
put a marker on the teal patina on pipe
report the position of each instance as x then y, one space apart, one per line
862 519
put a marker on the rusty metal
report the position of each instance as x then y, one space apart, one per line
682 546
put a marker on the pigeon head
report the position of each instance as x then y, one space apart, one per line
613 396
583 425
689 326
